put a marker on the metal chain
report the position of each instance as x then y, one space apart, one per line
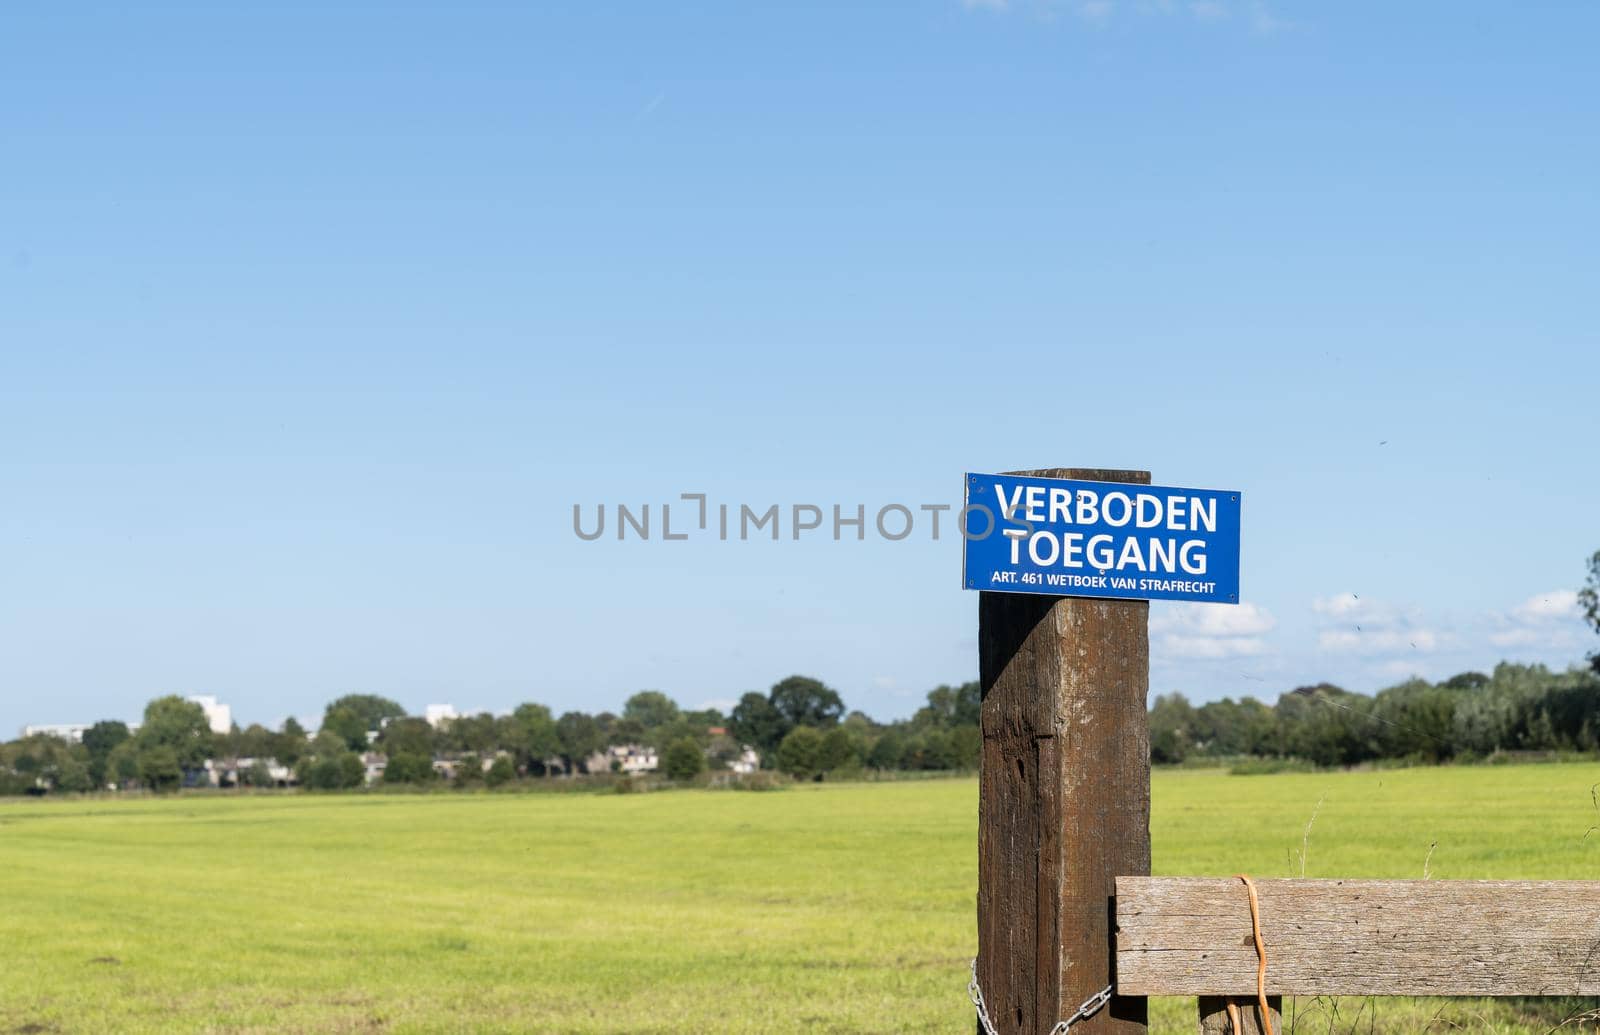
1087 1009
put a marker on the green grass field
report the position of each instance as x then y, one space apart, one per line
845 908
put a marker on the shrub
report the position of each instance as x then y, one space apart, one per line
331 772
158 768
800 754
501 772
760 780
407 767
684 760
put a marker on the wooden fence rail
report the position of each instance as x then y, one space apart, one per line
1191 936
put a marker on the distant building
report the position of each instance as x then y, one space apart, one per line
233 772
70 731
439 714
372 765
623 758
219 716
747 762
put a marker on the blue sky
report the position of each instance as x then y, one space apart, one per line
316 320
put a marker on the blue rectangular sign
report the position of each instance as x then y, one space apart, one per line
1063 537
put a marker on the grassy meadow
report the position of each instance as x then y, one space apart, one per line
827 908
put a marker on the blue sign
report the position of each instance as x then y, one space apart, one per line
1063 537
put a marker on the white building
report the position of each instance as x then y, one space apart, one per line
218 716
747 762
72 731
373 764
439 714
623 758
232 772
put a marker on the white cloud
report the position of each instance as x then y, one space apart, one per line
1541 625
1377 641
1211 630
1244 619
1518 637
1556 604
1338 604
1178 645
1357 625
1543 621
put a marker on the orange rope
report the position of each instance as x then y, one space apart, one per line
1261 966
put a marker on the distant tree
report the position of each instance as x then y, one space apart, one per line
838 751
1171 733
474 733
290 743
1329 726
1415 720
370 710
338 769
757 723
408 767
579 737
684 760
45 763
122 764
469 771
651 709
178 726
533 736
1466 681
624 731
159 767
803 701
348 725
72 775
99 741
254 741
887 751
258 775
930 749
1589 601
966 742
706 717
951 706
722 751
407 736
800 753
501 771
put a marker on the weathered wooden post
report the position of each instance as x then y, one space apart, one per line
1064 797
1072 929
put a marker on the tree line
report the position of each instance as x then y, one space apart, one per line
799 727
1467 717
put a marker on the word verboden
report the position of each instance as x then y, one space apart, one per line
1070 537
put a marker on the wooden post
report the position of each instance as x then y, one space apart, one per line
1214 1015
1064 797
